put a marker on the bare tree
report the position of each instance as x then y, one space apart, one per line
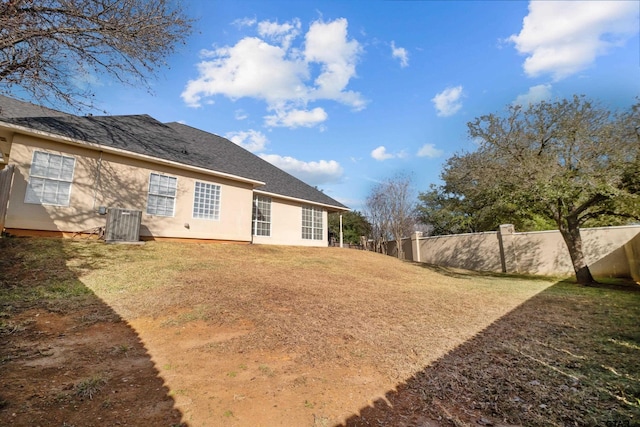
390 209
52 49
376 210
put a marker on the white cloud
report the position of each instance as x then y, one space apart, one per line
273 29
448 102
313 173
562 38
296 118
327 43
250 140
240 114
536 94
381 154
244 22
287 78
400 53
429 150
251 68
283 34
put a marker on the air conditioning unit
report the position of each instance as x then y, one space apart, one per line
123 225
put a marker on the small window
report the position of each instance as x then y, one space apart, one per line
312 223
162 195
50 179
261 216
206 201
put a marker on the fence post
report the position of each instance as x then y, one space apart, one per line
507 250
415 246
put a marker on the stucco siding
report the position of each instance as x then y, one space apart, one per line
632 252
109 180
286 225
609 251
478 251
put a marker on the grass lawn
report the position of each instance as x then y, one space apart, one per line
213 334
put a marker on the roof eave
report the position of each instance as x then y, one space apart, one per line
306 201
79 143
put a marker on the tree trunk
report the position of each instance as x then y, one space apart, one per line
399 247
573 240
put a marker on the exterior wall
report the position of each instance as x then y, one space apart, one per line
632 252
407 249
477 251
546 253
286 225
610 251
115 181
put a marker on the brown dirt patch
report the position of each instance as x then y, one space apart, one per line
85 368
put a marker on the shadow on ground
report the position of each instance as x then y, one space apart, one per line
66 358
568 356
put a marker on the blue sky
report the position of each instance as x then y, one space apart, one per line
343 94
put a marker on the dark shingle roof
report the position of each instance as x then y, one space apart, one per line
10 107
142 134
137 134
231 158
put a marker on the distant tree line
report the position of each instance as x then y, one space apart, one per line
354 226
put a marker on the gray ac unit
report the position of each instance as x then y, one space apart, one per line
123 225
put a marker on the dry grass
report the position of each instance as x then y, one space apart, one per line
462 346
89 387
567 357
320 304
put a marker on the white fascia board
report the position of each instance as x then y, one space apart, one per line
129 154
304 201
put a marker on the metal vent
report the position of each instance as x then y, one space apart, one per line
123 225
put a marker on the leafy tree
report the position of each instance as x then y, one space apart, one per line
52 48
570 163
447 213
354 225
390 208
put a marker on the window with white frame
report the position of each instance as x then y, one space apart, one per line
206 201
50 179
312 223
161 200
261 225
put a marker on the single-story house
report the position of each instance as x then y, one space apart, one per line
69 173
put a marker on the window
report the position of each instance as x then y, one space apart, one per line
312 223
261 225
206 201
50 179
162 195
